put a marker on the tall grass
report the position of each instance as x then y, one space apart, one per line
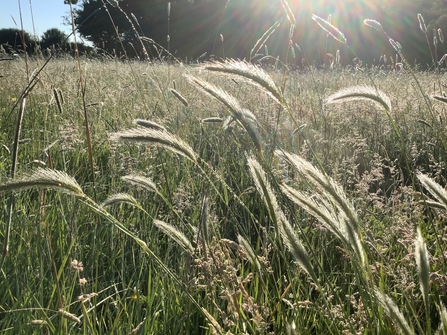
327 219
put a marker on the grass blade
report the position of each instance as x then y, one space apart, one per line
263 39
423 266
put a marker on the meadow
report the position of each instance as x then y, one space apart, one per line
221 198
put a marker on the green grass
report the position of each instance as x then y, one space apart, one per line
214 201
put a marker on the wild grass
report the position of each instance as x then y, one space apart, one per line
214 215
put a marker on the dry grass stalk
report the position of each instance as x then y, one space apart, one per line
330 29
289 13
439 98
255 75
330 204
58 102
144 182
175 234
289 236
45 178
68 316
421 255
120 198
158 138
393 312
260 42
212 120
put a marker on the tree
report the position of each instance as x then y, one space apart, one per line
192 29
195 27
51 37
16 40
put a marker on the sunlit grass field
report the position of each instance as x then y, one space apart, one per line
254 206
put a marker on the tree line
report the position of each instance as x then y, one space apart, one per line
189 29
16 41
230 28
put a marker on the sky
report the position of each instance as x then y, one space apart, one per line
47 14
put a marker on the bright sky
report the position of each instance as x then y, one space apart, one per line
47 14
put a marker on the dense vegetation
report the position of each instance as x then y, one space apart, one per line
222 198
219 28
195 27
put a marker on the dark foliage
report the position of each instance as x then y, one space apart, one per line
16 41
231 28
53 37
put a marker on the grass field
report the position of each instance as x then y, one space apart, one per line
253 206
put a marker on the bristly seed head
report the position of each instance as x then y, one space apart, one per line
396 45
440 35
179 97
443 58
422 23
329 28
374 24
